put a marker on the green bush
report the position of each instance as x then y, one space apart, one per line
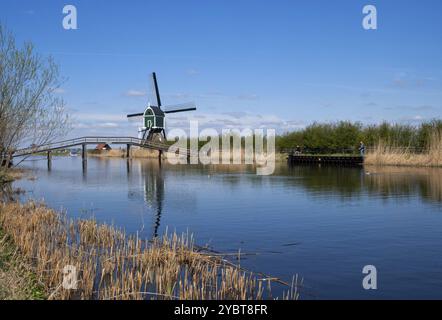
344 136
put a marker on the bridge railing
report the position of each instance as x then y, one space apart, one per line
90 140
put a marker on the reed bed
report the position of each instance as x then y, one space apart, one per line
143 153
16 280
135 152
113 265
116 153
8 175
384 154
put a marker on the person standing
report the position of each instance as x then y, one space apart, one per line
362 148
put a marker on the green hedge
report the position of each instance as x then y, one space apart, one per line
345 136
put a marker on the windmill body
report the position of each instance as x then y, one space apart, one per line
154 117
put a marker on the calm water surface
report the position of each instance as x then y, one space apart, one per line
323 224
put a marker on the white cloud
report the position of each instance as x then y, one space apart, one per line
108 125
413 119
100 117
236 120
247 97
192 72
135 93
117 124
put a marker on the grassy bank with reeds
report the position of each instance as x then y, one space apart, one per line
8 175
113 265
121 153
384 154
153 154
17 281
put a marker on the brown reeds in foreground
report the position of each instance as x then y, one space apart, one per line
112 265
384 154
17 282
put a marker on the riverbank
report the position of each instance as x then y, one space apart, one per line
121 153
149 154
384 155
9 175
17 282
403 159
113 265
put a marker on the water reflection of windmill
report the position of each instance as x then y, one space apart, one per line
154 192
154 117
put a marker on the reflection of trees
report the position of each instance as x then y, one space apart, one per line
354 182
425 182
343 181
327 181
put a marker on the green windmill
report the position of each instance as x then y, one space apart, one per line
154 117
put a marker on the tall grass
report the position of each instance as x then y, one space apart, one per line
16 279
384 154
113 265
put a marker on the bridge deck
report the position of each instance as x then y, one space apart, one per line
91 140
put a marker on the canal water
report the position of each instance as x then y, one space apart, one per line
323 223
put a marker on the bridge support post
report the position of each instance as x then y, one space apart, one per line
49 156
84 169
83 152
128 151
160 155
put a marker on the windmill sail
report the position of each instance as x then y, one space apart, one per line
156 100
132 115
189 106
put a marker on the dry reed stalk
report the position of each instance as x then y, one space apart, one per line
387 155
112 265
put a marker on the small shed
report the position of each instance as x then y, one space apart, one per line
153 118
103 146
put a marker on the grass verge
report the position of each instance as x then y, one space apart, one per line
17 282
8 175
384 154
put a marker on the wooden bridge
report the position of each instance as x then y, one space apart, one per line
84 141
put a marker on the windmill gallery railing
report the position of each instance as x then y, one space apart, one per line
83 141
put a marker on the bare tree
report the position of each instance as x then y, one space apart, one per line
30 111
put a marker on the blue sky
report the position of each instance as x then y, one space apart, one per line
276 64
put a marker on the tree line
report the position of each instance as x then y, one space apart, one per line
345 136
